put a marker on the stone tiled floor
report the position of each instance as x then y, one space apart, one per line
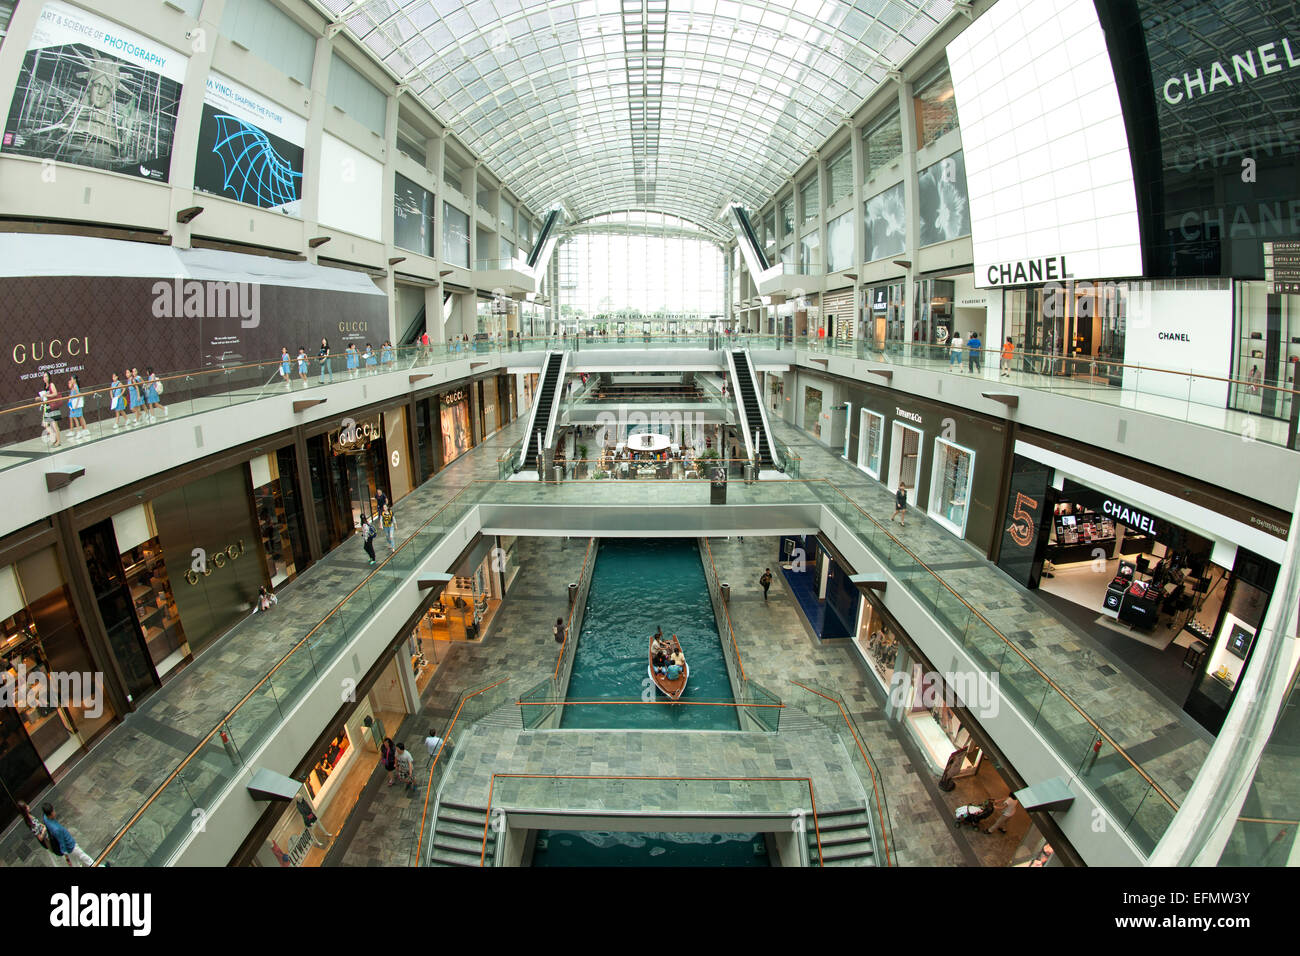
106 787
775 648
519 644
1167 744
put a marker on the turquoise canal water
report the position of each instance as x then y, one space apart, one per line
639 584
594 848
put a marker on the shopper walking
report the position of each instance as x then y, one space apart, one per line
302 364
153 387
954 351
559 630
433 743
49 396
405 766
388 758
1008 353
368 537
117 401
284 367
134 398
326 364
900 505
39 830
765 582
975 348
77 430
59 836
353 359
1009 807
381 501
390 526
369 356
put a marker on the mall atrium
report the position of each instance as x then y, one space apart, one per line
853 433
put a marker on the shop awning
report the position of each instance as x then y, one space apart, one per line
269 785
1051 794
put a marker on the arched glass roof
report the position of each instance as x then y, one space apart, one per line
674 105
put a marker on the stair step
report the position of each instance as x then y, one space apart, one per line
465 831
828 824
847 835
453 858
470 845
850 861
466 815
846 851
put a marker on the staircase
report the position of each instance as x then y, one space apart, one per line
755 418
458 836
543 417
845 838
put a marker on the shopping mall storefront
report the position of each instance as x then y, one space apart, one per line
1151 557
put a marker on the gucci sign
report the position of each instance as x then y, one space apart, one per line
214 562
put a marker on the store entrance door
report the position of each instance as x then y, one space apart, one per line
905 460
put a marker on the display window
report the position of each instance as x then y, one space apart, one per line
457 438
155 606
871 441
275 502
878 643
60 702
950 485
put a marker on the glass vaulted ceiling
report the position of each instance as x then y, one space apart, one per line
673 105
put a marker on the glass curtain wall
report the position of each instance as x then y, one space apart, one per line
610 278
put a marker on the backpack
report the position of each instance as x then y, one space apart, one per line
370 531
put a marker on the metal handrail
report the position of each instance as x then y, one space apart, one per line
1048 356
568 631
269 674
875 784
446 745
1051 683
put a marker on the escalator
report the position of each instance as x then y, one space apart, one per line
753 417
541 426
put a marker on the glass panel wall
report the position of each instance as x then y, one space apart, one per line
936 109
882 143
810 199
455 236
839 176
950 485
839 241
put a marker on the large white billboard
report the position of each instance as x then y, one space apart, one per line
351 187
1047 160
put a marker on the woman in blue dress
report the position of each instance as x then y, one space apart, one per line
284 366
134 400
302 364
370 359
117 401
151 385
354 359
386 354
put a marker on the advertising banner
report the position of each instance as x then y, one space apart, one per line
886 221
249 149
945 210
94 326
1028 521
95 94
